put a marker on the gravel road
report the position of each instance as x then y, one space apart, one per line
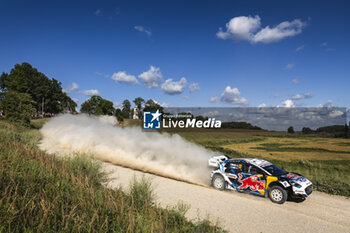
240 212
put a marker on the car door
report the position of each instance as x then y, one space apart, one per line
252 179
232 170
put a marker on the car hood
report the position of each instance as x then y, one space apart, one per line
294 177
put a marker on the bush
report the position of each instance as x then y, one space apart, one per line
18 107
141 192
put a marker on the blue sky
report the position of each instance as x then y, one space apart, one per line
267 53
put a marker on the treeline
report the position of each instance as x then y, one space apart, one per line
97 105
338 131
239 125
26 92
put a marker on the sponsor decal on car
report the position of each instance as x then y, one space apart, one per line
232 176
251 182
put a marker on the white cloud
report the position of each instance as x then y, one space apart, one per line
211 114
117 104
90 92
263 105
71 88
240 28
75 100
300 48
98 73
324 44
142 29
152 77
295 81
290 66
232 96
249 28
164 104
123 77
214 99
328 104
97 12
288 103
336 113
307 95
171 87
194 87
282 30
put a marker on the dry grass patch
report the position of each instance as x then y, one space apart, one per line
284 148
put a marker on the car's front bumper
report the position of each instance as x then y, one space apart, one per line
305 190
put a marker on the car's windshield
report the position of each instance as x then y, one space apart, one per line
275 170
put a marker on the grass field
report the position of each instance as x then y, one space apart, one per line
39 193
325 161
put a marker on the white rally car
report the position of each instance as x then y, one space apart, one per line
258 176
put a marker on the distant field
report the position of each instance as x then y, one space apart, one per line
287 149
326 161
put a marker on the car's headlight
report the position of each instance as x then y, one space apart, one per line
295 184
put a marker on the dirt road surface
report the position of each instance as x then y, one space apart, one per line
240 212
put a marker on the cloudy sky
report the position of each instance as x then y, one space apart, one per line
186 53
278 119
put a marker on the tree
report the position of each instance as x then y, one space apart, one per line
18 107
291 129
152 106
46 93
119 115
96 105
138 103
68 104
306 130
126 109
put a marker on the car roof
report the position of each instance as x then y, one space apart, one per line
255 161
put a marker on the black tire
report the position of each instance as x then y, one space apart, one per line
218 182
278 194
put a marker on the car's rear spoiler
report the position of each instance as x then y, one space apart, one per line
216 160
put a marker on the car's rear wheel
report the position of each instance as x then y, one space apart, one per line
218 182
278 194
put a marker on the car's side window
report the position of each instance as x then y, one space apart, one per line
245 168
237 167
254 170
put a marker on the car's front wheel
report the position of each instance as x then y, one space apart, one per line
278 194
218 182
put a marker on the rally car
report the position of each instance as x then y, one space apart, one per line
259 177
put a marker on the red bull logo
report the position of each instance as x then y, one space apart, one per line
251 182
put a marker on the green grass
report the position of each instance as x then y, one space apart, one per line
343 143
38 123
39 193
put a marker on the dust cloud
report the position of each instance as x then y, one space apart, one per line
100 137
